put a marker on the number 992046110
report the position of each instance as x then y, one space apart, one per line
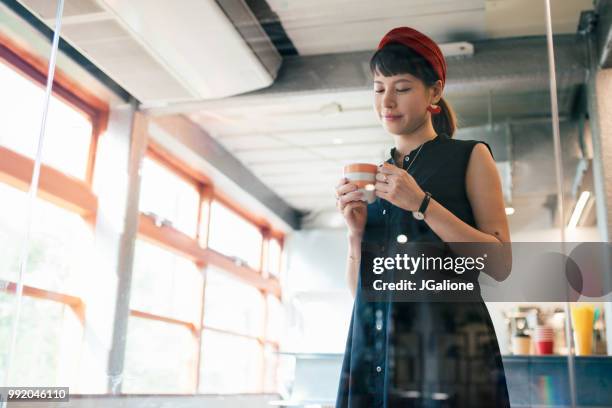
33 394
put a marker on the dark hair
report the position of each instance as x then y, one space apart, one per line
395 59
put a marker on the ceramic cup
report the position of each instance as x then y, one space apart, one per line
364 175
521 345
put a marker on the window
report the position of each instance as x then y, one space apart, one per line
274 319
69 132
61 244
165 284
159 359
274 257
169 196
173 338
54 357
232 305
272 365
61 241
167 287
230 364
233 235
275 323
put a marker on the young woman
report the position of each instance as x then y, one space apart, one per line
432 188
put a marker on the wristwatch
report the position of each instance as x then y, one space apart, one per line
420 213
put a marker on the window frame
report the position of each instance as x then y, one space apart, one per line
196 249
66 191
35 69
77 196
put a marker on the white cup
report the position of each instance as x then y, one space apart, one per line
364 175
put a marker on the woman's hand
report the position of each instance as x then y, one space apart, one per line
349 200
395 185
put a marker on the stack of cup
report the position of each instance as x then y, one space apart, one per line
544 339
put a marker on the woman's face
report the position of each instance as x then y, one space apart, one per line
401 102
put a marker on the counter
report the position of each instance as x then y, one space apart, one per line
543 381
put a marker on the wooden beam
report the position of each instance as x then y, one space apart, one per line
150 316
167 159
260 339
170 238
246 273
178 242
64 87
38 293
55 186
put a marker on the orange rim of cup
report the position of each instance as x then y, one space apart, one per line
360 168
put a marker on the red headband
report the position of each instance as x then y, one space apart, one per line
420 43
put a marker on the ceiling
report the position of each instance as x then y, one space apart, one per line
321 27
296 135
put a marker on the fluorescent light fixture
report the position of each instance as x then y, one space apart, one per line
509 210
329 109
578 209
456 49
439 396
337 141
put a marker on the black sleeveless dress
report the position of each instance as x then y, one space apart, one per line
421 353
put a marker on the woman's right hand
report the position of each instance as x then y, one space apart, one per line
351 205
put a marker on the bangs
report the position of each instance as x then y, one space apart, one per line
397 59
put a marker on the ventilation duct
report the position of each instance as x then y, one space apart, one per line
169 51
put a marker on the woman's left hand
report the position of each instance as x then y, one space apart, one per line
397 186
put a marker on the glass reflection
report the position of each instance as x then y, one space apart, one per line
214 263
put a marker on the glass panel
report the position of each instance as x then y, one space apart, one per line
579 329
231 304
230 364
232 235
271 358
56 357
61 244
169 197
22 104
160 358
69 132
165 284
275 318
274 257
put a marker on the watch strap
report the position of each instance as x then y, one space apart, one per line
424 203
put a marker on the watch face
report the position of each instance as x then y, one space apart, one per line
418 215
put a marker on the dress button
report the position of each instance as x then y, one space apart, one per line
406 158
378 369
384 212
378 326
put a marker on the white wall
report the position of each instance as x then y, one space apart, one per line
316 296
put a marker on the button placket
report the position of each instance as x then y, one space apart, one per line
405 162
379 320
380 339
